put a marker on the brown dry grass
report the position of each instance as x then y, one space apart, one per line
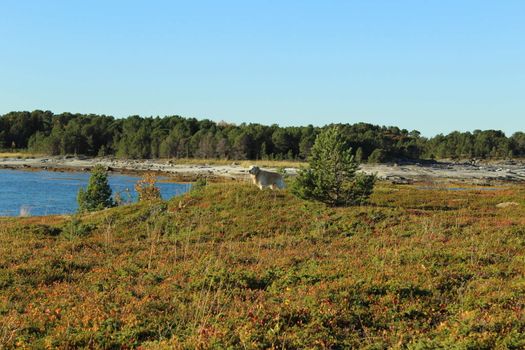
22 155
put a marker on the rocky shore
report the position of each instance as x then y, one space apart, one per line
180 171
467 172
476 173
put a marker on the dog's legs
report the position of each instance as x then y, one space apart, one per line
273 187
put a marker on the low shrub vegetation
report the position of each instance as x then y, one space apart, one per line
147 189
229 266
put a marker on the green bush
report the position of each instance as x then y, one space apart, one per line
199 184
332 177
75 228
97 195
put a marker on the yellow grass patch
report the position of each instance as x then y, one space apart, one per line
19 155
244 163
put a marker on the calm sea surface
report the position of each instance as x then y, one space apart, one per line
45 192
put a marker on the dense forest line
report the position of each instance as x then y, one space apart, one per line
178 137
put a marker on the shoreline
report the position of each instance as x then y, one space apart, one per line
179 172
486 173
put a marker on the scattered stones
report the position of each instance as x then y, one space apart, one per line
399 180
482 182
507 204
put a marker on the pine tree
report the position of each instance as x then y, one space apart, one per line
332 176
377 156
97 195
359 155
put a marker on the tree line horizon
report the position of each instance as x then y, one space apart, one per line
174 136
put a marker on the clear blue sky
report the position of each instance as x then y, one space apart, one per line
435 66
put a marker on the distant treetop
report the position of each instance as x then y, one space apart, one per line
177 137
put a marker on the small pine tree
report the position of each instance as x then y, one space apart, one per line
359 155
102 152
332 177
97 195
377 156
264 151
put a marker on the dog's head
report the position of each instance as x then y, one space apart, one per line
254 170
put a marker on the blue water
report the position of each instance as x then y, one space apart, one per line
45 192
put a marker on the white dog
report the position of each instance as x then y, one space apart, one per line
262 178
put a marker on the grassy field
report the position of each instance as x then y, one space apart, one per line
229 266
